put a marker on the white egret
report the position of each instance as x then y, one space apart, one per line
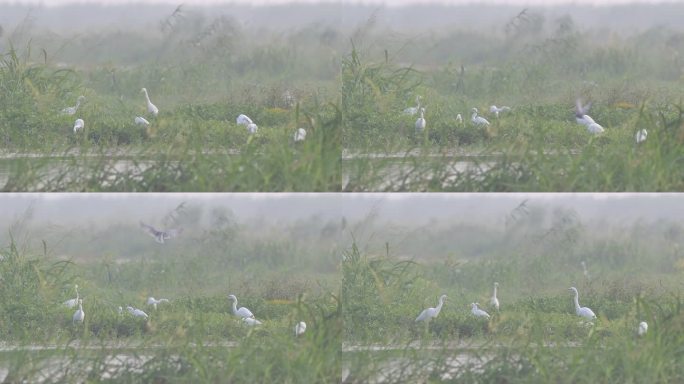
477 312
141 121
78 125
79 315
137 312
300 135
72 110
413 110
430 313
242 312
300 328
153 302
582 118
641 136
582 311
478 120
161 236
643 327
494 301
151 108
459 119
243 120
252 128
496 110
420 123
251 321
72 303
120 310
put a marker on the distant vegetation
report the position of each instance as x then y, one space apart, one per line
534 65
633 274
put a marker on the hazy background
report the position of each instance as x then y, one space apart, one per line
87 226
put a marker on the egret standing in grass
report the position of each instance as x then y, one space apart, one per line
641 136
137 312
420 123
72 110
141 121
413 110
478 120
494 301
477 312
300 328
430 313
151 108
153 302
242 312
300 135
78 125
72 303
582 311
251 321
243 120
496 110
643 327
79 315
252 128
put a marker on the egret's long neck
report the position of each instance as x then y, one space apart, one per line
474 115
234 306
495 291
147 97
76 294
576 300
439 306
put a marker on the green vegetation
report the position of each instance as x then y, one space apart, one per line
201 74
195 336
634 275
538 68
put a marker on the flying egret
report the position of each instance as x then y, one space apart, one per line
251 321
137 312
478 120
459 119
643 327
477 312
300 135
582 118
72 303
641 136
496 110
430 313
252 128
79 315
151 108
161 236
494 302
413 110
78 125
420 123
72 110
153 302
141 121
300 328
243 120
242 312
582 311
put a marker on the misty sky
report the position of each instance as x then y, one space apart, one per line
275 207
385 2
